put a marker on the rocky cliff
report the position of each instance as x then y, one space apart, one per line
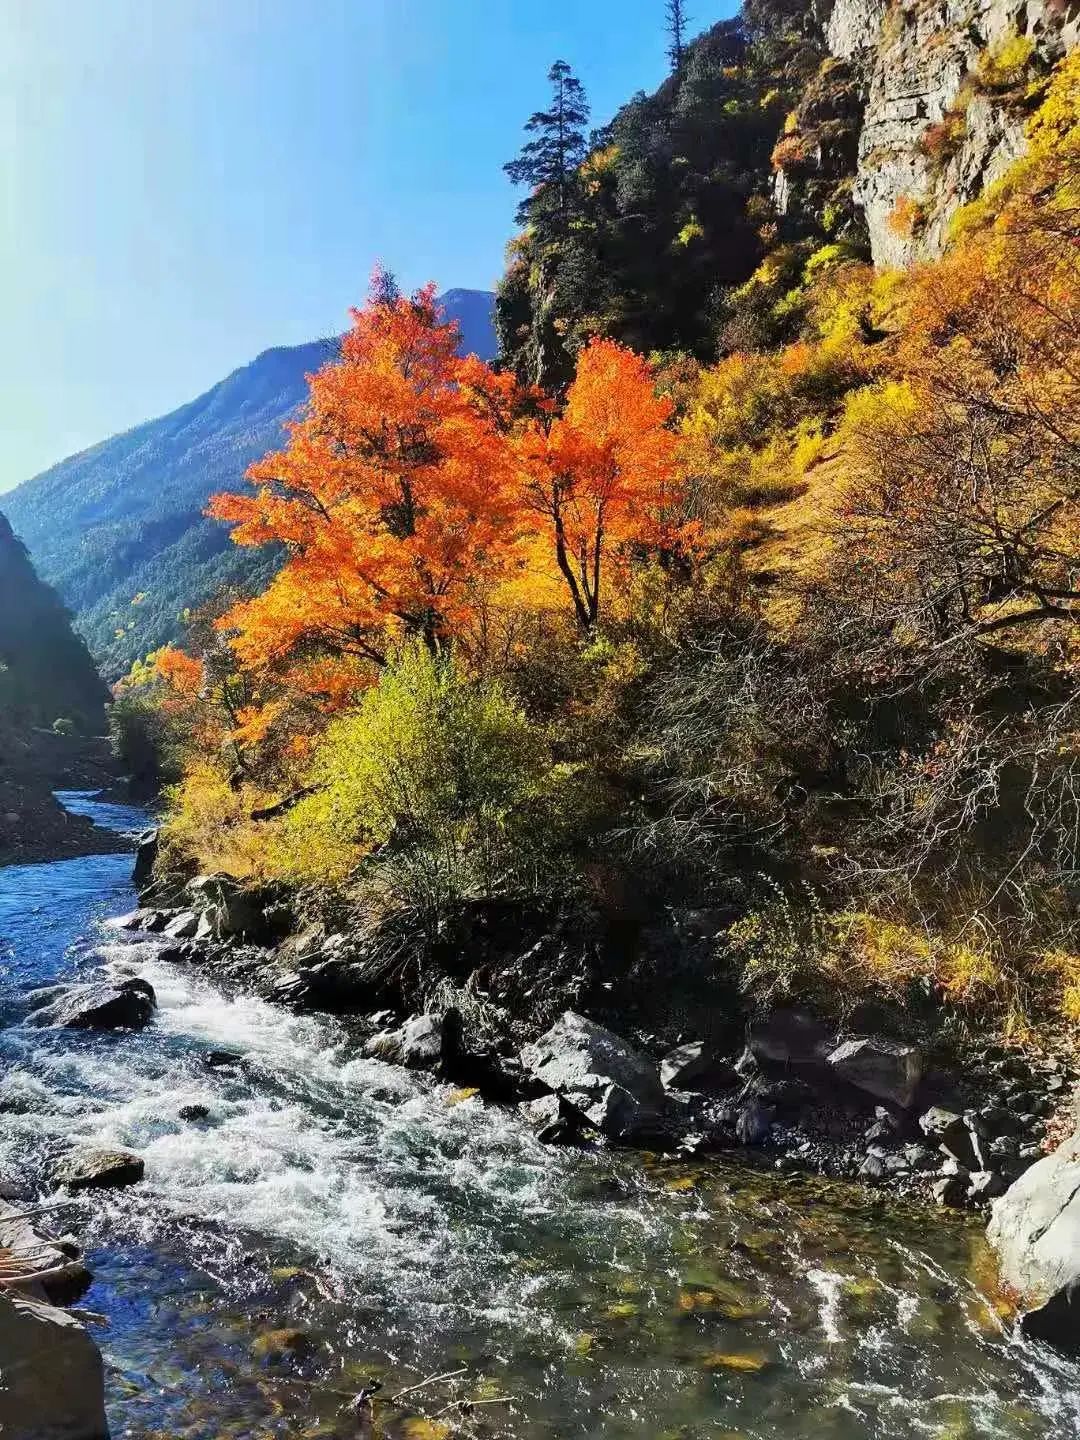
918 107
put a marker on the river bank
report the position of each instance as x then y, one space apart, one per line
326 1219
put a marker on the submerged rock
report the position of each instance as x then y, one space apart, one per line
1035 1229
99 1170
129 1005
615 1087
888 1069
53 1377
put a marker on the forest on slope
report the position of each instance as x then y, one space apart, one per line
748 584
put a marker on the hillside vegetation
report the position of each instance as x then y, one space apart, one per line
749 585
119 530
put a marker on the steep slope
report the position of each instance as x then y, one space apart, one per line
46 672
119 528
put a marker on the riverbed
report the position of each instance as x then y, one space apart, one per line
334 1220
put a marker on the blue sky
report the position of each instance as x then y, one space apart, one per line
187 182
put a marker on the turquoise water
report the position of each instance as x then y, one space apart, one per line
334 1219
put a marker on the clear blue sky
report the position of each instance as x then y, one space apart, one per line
190 181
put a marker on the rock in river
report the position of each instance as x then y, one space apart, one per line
614 1086
99 1170
1035 1229
127 1006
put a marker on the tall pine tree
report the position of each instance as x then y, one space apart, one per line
677 21
548 163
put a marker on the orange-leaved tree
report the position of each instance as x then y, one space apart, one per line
394 499
602 478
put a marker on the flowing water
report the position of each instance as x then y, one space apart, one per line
333 1219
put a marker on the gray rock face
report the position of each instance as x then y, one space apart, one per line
422 1041
889 1069
916 59
183 926
614 1086
127 1006
99 1170
146 853
1035 1229
53 1384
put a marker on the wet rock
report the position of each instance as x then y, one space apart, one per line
889 1069
193 1112
384 1045
553 1121
52 1372
129 1005
99 1170
614 1086
225 1061
182 926
696 1066
789 1037
1035 1229
146 854
283 1344
422 1041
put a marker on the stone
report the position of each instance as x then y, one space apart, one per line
1057 1322
182 926
1035 1229
872 1169
889 1069
614 1086
984 1185
129 1005
551 1119
951 1190
951 1132
99 1170
146 854
384 1045
789 1037
695 1066
226 908
193 1112
422 1042
53 1378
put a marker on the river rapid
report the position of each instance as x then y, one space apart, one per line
334 1220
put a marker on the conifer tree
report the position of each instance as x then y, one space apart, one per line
548 163
677 21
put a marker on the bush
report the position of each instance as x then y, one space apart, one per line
63 726
437 783
1004 64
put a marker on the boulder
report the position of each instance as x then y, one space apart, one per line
129 1005
789 1037
384 1045
889 1069
99 1170
193 1112
146 854
1035 1229
615 1087
953 1134
553 1121
182 926
53 1380
422 1041
696 1066
227 908
951 1190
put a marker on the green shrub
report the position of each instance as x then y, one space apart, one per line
63 726
437 787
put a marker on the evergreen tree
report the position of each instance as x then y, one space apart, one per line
677 21
548 163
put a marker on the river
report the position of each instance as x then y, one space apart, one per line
334 1219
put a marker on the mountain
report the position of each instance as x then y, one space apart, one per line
46 672
119 530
